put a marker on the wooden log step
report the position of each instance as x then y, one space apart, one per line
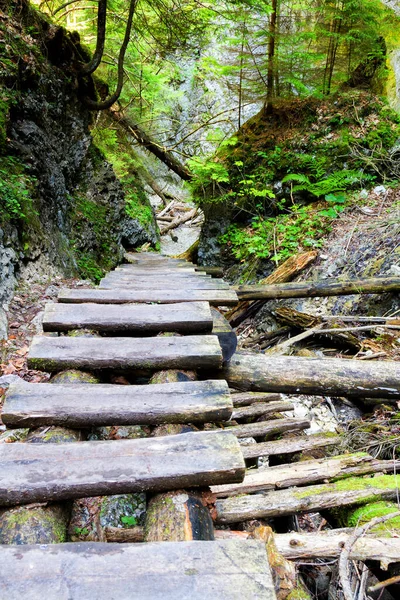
305 472
153 272
226 336
52 472
269 427
225 569
83 406
322 377
122 296
187 317
213 271
289 445
313 498
124 354
311 289
163 283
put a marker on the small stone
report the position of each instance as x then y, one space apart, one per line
74 376
379 190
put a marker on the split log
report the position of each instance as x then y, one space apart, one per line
195 570
122 296
311 289
163 283
322 377
306 472
213 271
268 428
354 490
261 409
178 516
46 472
248 398
289 445
287 271
124 354
186 317
329 544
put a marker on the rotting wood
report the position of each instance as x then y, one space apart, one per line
268 428
261 409
306 472
312 289
195 570
122 296
36 404
189 317
248 398
355 490
289 445
164 283
179 221
124 353
323 377
329 544
49 472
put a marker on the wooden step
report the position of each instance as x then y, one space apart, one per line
151 271
122 296
162 283
52 472
224 569
124 354
188 317
84 406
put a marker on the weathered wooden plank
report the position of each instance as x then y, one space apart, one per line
121 296
323 377
268 427
261 408
165 283
226 336
305 472
82 406
227 570
124 354
155 272
248 398
313 498
187 317
289 445
50 472
310 289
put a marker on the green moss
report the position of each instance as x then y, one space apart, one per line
137 205
364 514
385 482
298 594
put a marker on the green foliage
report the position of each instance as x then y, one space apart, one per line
278 238
334 182
136 206
130 521
15 190
88 266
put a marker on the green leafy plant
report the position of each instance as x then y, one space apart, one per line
129 521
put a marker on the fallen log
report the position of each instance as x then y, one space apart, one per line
354 490
261 409
311 289
121 535
287 271
123 296
213 271
268 428
248 398
288 446
329 544
322 377
178 221
306 472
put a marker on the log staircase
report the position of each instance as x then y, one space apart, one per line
154 295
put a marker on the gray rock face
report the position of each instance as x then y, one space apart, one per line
3 324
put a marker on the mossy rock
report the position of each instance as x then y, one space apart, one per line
363 514
173 376
36 525
119 432
172 429
74 376
14 435
53 435
90 516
